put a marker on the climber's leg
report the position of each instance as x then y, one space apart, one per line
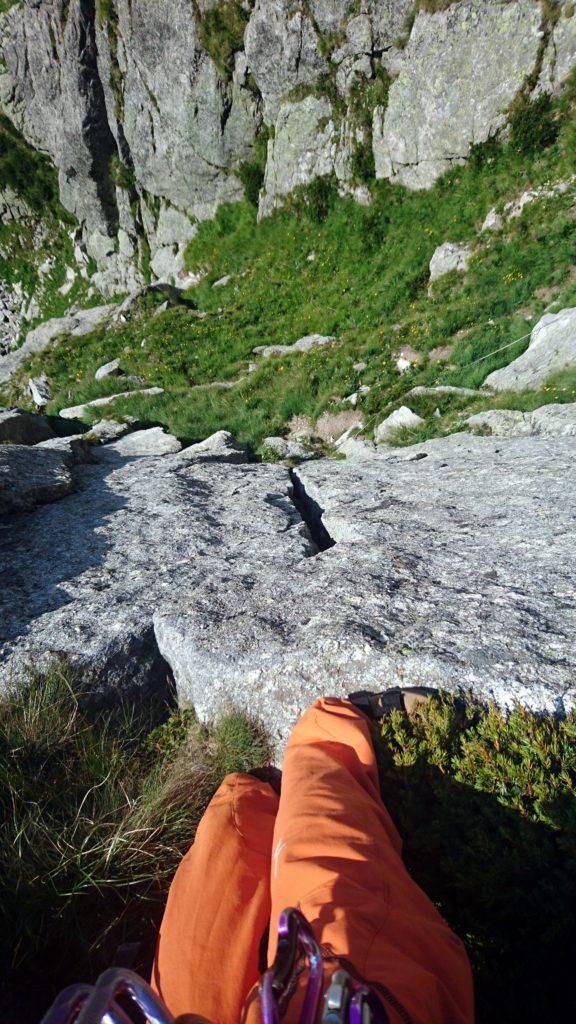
337 857
207 958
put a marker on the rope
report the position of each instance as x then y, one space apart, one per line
497 350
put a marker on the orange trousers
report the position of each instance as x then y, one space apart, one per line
328 847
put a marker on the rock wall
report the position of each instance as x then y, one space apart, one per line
150 109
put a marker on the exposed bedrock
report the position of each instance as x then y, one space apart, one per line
449 563
149 111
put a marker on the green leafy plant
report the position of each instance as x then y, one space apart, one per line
533 126
485 803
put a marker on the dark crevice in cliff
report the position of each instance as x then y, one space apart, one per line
96 130
311 513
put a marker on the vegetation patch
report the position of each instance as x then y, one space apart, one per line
96 814
29 173
222 33
327 265
486 806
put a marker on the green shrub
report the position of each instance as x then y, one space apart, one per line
252 177
532 124
362 163
222 33
317 198
28 172
121 175
486 806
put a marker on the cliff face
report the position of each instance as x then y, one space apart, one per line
156 111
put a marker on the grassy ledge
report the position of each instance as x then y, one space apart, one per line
324 264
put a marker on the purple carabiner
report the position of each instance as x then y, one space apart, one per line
295 937
364 999
98 1004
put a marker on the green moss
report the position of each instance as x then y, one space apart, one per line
121 175
107 16
222 33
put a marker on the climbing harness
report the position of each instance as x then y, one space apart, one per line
122 997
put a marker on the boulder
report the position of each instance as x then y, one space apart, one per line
444 389
306 344
106 431
501 422
283 448
219 447
75 412
552 349
31 475
355 397
400 418
140 443
463 66
428 582
111 369
76 449
222 281
492 222
20 427
40 391
547 421
448 257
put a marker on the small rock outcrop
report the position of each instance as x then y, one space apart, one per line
449 257
39 389
110 369
552 349
402 417
547 421
76 412
305 344
74 324
20 427
283 448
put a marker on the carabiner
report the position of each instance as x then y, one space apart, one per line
295 940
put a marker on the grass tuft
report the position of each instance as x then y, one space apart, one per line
96 815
